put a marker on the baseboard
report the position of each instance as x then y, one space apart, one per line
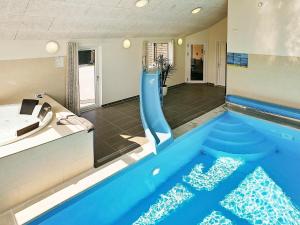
177 85
120 101
135 97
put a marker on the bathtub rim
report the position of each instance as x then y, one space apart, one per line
46 135
42 124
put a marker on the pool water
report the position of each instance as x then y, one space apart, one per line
209 188
266 196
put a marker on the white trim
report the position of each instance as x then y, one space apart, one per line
218 59
188 61
97 77
171 47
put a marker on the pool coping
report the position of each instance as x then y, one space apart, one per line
47 200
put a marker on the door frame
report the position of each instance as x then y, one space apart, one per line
217 63
189 58
97 78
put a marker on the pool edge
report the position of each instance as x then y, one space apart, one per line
47 200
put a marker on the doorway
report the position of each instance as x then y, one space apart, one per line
88 79
221 53
197 71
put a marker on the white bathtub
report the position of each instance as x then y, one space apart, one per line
11 121
49 156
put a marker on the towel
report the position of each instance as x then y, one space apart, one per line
75 120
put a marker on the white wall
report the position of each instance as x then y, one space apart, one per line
12 50
122 68
217 32
273 29
271 37
26 69
269 78
119 68
27 77
210 36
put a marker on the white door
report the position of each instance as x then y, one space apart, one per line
88 79
221 63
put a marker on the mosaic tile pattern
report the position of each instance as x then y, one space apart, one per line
165 205
260 201
216 218
222 169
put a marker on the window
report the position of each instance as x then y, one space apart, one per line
154 49
86 57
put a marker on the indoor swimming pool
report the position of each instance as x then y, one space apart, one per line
234 169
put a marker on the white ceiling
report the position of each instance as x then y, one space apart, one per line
75 19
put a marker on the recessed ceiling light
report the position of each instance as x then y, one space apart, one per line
196 10
141 3
260 4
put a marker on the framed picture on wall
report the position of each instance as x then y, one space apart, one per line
237 59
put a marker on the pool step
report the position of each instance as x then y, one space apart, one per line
239 138
235 138
240 148
238 128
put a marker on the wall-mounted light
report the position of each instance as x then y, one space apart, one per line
260 4
126 43
141 3
196 10
52 47
180 41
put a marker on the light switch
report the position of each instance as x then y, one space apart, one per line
59 62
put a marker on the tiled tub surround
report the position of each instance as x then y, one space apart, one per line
43 160
49 199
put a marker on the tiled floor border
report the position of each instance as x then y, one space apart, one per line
135 97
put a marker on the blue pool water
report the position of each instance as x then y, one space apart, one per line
234 170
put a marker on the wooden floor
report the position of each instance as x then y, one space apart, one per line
118 128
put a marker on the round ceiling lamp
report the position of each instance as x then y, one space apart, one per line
180 41
126 43
52 47
141 3
196 10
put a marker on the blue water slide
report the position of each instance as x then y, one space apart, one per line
265 106
156 127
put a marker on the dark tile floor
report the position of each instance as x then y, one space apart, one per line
118 127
